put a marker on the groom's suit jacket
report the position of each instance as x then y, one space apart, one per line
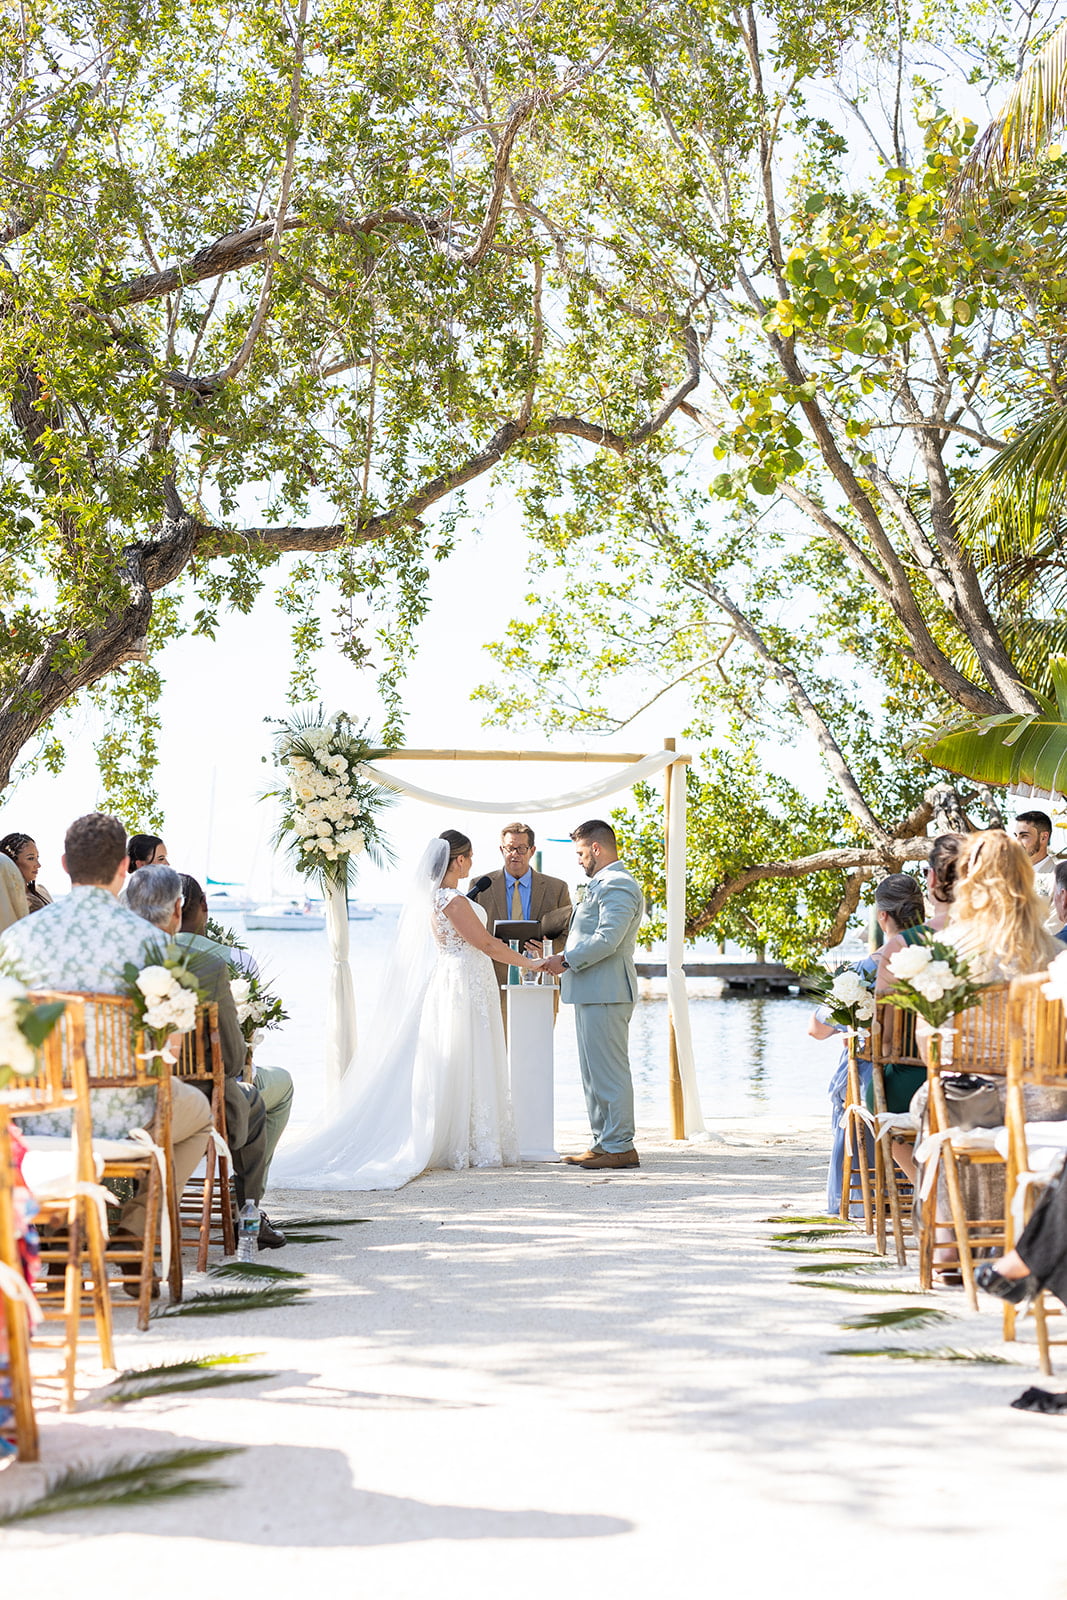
600 945
546 894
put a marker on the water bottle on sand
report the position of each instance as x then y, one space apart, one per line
248 1231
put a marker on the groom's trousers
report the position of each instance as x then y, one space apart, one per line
604 1059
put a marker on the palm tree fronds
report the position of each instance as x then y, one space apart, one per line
810 1233
851 1288
320 1222
871 1260
310 1238
251 1270
828 1249
1023 130
225 1300
903 1353
1007 749
203 1380
125 1480
900 1317
1010 504
825 1221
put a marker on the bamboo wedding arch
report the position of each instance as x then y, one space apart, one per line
686 1116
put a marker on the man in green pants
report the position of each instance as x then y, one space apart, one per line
600 982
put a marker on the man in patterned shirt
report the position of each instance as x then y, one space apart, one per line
81 943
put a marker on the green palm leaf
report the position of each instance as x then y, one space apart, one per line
251 1270
797 1234
125 1480
851 1288
1023 489
825 1221
1007 749
899 1317
872 1261
223 1301
903 1353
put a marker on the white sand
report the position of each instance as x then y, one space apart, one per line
545 1380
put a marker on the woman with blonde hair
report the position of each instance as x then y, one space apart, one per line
997 920
997 923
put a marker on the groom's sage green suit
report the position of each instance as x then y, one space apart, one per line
600 982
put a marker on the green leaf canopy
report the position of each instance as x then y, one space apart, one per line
1008 750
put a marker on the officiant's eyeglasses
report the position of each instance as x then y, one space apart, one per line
516 849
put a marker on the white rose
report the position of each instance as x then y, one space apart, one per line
930 988
324 830
941 972
314 812
848 988
155 983
11 990
16 1051
241 989
304 791
360 844
909 961
865 1009
338 764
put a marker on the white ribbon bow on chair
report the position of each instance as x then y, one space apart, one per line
142 1137
13 1286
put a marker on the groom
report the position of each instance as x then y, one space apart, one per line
600 982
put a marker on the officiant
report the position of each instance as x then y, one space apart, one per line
517 893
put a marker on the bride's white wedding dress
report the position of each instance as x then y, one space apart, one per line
433 1087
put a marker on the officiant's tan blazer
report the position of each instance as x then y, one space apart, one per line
546 894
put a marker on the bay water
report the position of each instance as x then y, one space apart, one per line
753 1055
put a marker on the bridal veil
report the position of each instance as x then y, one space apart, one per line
380 1135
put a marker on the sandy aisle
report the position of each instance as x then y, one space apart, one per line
541 1379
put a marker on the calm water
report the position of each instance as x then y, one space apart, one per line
753 1056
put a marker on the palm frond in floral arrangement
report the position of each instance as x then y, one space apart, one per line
330 806
933 980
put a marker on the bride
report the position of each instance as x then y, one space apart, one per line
431 1088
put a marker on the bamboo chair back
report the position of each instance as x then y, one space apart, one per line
208 1203
117 1058
979 1045
893 1043
80 1243
1037 1057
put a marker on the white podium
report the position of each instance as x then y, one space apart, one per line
531 1015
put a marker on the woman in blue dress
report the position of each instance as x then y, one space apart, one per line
898 906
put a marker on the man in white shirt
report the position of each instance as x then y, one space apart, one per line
1033 830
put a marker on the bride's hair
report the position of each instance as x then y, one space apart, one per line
458 844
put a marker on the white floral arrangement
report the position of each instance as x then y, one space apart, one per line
847 995
23 1029
933 980
165 995
258 1008
329 805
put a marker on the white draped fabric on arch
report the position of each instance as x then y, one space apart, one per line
687 1119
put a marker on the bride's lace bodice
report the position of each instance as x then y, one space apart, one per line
449 942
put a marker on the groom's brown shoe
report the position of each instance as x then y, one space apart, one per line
586 1155
604 1159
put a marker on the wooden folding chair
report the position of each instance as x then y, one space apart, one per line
856 1174
116 1060
979 1045
1037 1057
71 1203
207 1202
892 1044
16 1312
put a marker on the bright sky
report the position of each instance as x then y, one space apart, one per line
218 694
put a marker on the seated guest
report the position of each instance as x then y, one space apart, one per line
81 943
145 850
940 875
1059 900
14 903
155 893
898 905
997 923
1039 1260
273 1083
23 852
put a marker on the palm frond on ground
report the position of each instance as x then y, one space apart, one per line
223 1301
176 1377
125 1480
1007 749
901 1352
898 1317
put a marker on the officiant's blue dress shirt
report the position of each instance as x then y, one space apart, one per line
525 884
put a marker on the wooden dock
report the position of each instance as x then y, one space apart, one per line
737 977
